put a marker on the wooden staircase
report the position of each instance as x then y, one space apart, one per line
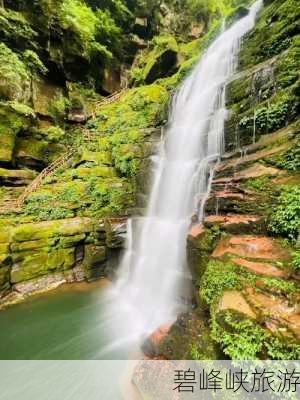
16 205
88 136
48 171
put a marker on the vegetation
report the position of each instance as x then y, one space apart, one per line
285 219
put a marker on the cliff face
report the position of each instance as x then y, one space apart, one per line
54 73
245 258
72 166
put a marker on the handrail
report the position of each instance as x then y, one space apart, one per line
49 170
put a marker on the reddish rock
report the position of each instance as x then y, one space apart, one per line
278 308
240 162
151 345
160 334
196 231
234 300
261 268
235 223
252 247
255 171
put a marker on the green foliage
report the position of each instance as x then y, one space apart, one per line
284 287
59 109
240 338
290 160
285 218
14 76
41 208
217 278
33 62
273 33
96 31
121 125
54 134
16 30
243 339
270 117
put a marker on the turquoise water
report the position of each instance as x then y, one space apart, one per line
69 323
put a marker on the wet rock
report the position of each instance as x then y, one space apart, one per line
234 223
77 116
279 308
251 247
151 347
234 300
261 268
255 171
189 337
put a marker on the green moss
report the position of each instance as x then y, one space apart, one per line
240 338
285 216
4 278
243 339
12 121
296 261
15 29
273 33
290 160
14 76
33 265
217 278
270 116
94 257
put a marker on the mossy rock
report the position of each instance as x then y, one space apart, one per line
36 153
16 177
189 338
71 241
50 229
32 245
94 259
42 263
14 76
99 158
100 172
12 121
46 96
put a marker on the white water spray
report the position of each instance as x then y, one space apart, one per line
147 293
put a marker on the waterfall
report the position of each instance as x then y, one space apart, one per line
148 291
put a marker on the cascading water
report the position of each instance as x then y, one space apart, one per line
153 271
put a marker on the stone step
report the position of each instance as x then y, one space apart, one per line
253 247
234 300
261 268
277 310
236 223
255 171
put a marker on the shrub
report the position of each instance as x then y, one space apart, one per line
285 219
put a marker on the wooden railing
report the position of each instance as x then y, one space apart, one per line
110 99
48 171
